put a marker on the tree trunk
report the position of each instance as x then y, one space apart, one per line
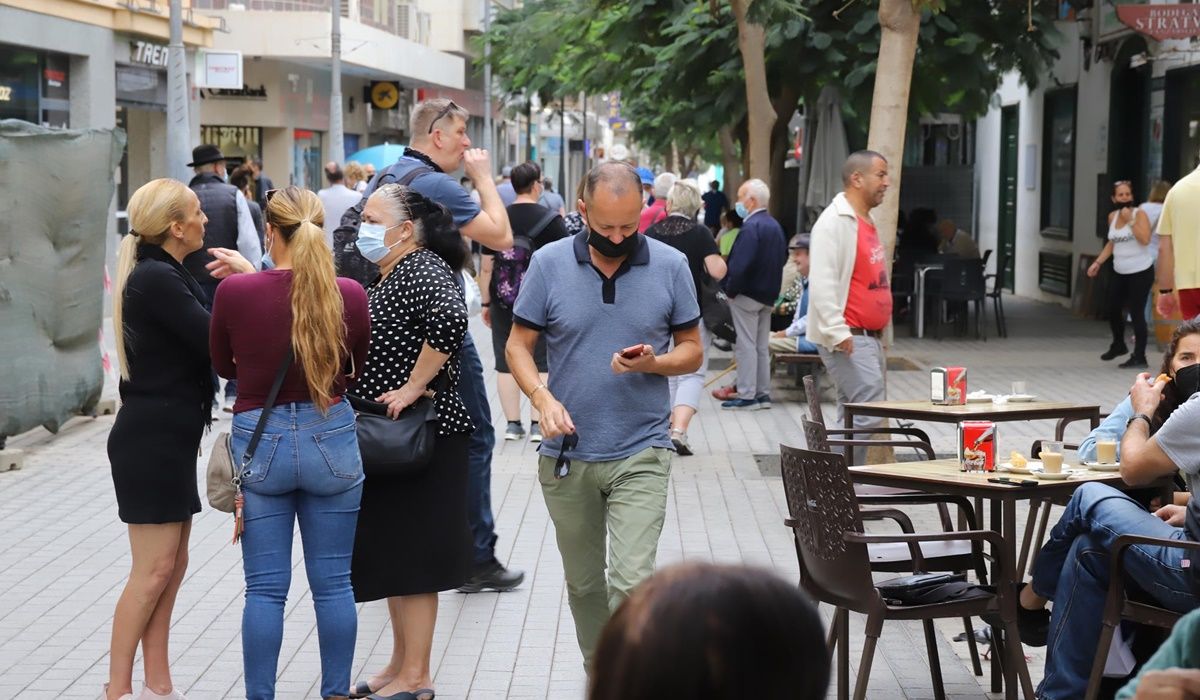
760 113
730 160
784 105
899 22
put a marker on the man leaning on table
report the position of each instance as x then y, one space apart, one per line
1072 568
850 300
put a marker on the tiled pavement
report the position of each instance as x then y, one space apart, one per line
64 555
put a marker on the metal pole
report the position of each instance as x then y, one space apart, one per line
528 127
487 80
337 132
562 142
586 154
178 139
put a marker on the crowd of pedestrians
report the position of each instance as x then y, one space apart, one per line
311 305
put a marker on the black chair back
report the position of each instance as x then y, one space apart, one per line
962 280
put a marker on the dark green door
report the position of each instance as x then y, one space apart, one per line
1007 234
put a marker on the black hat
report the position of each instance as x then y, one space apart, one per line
800 241
204 154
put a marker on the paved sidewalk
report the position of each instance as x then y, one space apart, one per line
64 555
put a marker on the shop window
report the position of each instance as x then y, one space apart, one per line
1058 163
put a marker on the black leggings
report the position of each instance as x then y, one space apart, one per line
1130 292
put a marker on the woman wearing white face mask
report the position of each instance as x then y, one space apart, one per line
413 539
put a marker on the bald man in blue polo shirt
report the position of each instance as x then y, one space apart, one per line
619 313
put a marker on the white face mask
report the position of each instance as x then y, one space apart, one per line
370 241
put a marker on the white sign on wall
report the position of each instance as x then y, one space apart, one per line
219 70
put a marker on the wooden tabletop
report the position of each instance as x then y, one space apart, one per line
983 410
943 476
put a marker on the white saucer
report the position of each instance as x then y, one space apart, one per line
1029 468
1103 466
1060 476
979 398
1021 398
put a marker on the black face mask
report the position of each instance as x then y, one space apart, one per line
1187 382
1118 206
609 249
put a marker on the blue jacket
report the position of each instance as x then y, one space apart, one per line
757 259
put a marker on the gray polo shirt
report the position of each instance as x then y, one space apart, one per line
585 318
1179 439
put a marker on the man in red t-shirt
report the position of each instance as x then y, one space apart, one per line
850 299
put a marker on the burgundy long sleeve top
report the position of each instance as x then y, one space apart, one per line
252 329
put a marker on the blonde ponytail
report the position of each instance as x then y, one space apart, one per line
152 209
318 325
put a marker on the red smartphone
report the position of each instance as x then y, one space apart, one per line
632 351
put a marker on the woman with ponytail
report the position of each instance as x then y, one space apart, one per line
307 466
413 539
166 403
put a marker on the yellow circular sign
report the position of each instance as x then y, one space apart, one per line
384 95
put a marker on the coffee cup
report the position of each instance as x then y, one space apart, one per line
1106 450
1052 457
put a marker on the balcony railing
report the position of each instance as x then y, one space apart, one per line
398 17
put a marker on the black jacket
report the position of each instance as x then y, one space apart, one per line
166 333
218 200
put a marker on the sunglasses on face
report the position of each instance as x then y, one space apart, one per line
562 466
271 193
450 107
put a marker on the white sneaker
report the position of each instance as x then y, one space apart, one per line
148 694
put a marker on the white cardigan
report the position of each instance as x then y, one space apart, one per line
832 253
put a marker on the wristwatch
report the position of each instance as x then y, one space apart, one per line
1139 416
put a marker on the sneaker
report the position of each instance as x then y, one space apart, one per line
1134 363
680 441
492 576
763 401
1114 351
741 405
1034 625
514 431
535 432
725 393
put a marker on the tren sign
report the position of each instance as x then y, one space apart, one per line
1161 21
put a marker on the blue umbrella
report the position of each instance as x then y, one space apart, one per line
380 156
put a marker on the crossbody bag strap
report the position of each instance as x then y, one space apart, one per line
266 410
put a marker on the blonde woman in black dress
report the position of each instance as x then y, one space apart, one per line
166 402
413 539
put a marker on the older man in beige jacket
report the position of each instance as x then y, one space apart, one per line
850 299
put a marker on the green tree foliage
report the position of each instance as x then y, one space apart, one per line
677 67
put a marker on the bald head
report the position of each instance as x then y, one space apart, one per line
860 162
615 177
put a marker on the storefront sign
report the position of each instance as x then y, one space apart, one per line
6 93
243 93
385 94
1162 21
219 70
148 53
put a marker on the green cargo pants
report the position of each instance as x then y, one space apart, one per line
627 501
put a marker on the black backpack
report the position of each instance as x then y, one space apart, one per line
346 258
512 264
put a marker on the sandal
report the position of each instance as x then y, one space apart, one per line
419 694
361 689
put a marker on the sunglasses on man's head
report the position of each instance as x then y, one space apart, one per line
450 107
271 193
562 466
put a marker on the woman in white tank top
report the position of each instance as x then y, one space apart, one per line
1133 267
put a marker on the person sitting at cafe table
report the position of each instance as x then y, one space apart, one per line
952 240
1174 670
1072 568
1182 351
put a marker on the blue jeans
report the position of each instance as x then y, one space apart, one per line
307 468
1072 570
479 452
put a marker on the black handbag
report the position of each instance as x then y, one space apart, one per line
718 319
400 447
926 589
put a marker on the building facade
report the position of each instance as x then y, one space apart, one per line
1118 104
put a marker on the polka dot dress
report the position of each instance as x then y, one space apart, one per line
418 303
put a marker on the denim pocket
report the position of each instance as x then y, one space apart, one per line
339 447
257 469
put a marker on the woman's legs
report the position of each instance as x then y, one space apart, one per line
686 391
1118 298
155 655
327 531
413 619
267 563
155 550
510 396
1139 291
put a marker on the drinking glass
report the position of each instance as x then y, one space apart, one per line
1052 456
1018 387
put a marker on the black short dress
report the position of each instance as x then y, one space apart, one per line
167 401
413 536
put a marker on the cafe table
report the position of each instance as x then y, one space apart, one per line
943 476
983 410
